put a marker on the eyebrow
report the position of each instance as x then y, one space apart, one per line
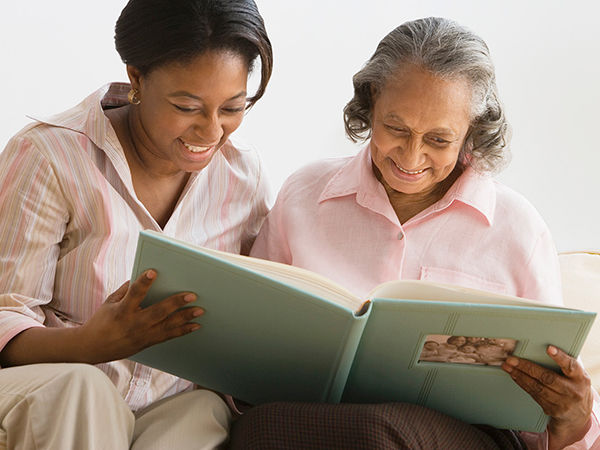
195 97
441 130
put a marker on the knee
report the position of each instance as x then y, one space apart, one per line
206 403
386 425
82 378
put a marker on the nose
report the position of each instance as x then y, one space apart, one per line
208 127
413 152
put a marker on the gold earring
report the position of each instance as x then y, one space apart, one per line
132 97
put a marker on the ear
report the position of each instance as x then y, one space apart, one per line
135 76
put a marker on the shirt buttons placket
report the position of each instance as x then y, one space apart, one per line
400 235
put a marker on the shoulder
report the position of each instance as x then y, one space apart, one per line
40 144
29 168
238 167
64 133
310 180
514 208
513 224
29 144
240 158
501 205
520 227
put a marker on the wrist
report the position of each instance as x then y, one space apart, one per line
560 437
84 346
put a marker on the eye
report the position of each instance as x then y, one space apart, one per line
399 131
234 110
438 141
184 109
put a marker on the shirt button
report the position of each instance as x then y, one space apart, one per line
400 235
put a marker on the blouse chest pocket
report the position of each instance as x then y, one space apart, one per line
458 278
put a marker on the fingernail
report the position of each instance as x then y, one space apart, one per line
198 312
189 298
552 350
150 274
512 361
195 326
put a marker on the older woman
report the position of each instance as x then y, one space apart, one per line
418 203
75 191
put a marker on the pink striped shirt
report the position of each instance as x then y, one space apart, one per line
70 221
334 217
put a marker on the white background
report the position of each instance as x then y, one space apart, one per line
546 52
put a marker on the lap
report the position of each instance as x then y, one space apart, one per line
347 426
65 406
19 381
50 406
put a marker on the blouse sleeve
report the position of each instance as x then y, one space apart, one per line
260 205
543 269
32 225
271 242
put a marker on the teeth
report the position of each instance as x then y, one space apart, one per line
408 171
194 149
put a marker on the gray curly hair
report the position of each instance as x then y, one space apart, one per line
450 51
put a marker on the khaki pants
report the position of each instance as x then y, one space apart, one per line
76 406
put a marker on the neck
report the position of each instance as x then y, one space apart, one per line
130 133
141 153
407 206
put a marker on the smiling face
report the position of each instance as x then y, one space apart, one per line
420 122
188 111
457 340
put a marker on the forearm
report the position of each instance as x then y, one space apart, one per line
46 345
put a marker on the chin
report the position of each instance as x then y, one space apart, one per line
407 188
410 191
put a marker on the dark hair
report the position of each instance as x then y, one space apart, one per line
151 33
447 50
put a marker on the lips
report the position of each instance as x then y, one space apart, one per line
197 148
409 172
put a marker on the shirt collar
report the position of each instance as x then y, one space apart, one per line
475 190
88 118
472 189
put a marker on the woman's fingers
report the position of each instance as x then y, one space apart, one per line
166 319
566 398
172 317
532 377
157 313
171 320
138 289
569 365
181 317
120 328
118 295
552 402
179 328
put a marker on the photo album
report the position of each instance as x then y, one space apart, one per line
273 332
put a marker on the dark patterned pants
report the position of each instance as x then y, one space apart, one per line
352 426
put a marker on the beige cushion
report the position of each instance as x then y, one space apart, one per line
581 290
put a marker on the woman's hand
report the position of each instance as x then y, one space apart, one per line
566 398
121 328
